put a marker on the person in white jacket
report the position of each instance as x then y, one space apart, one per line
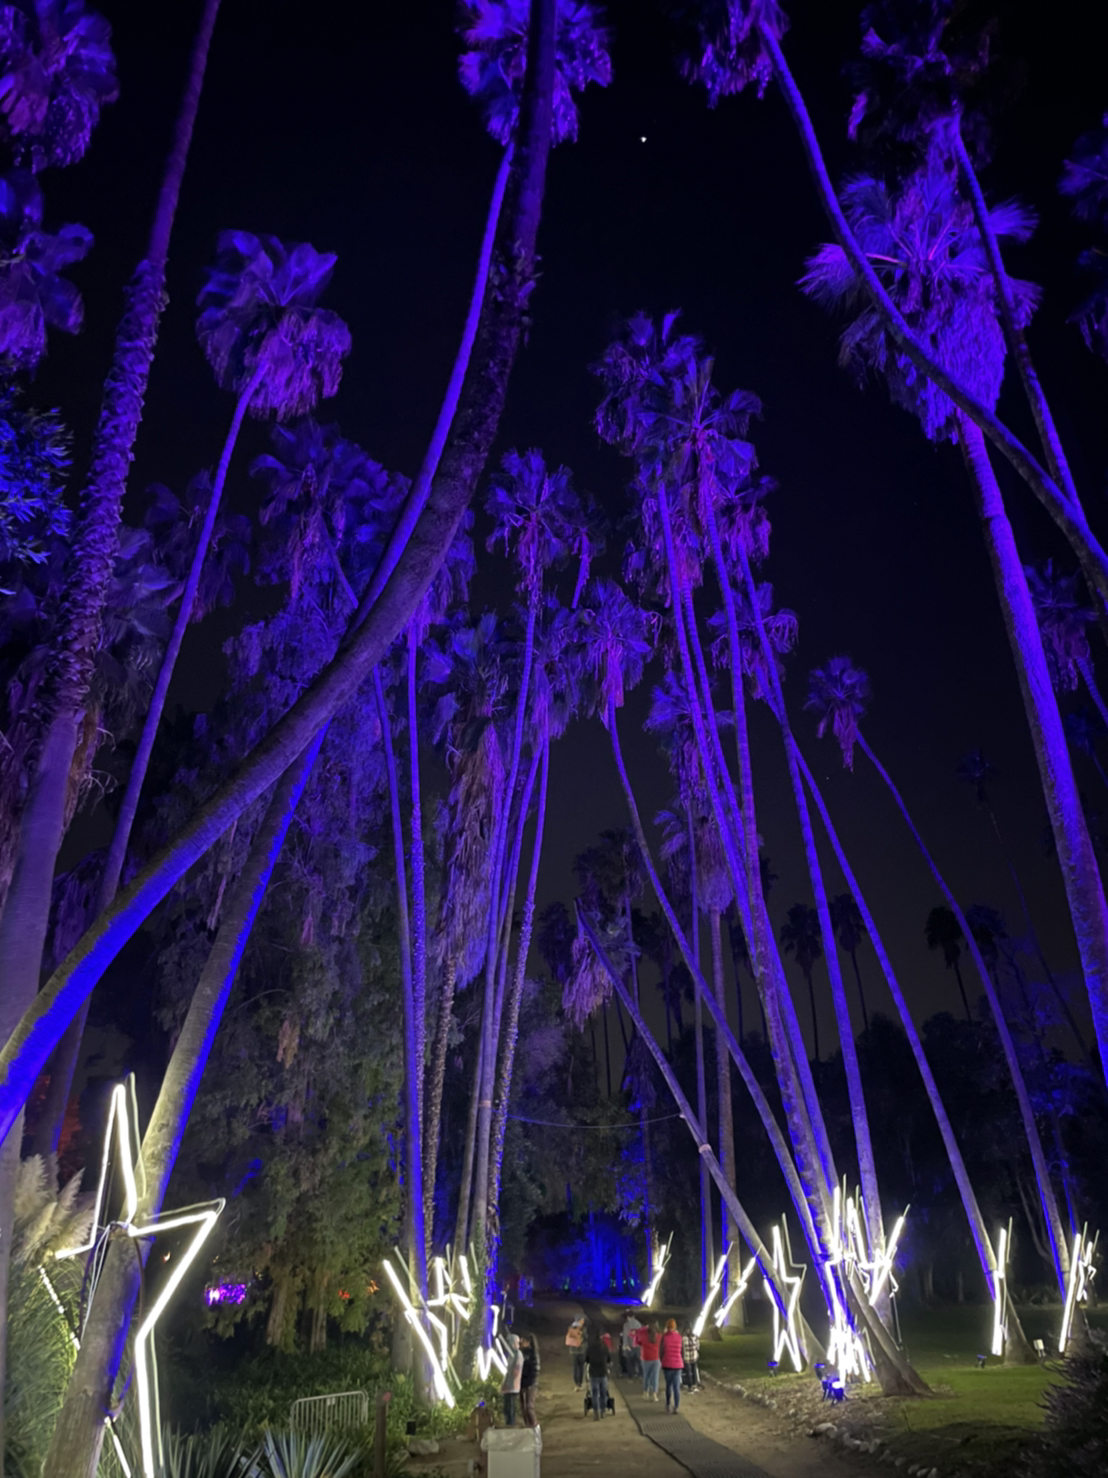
509 1389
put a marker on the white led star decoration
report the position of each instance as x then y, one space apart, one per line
786 1335
852 1253
123 1126
1082 1272
651 1290
1000 1292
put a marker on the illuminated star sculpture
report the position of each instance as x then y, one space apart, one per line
437 1358
123 1128
1000 1291
651 1290
852 1253
1080 1275
786 1335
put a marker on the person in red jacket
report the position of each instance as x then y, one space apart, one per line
647 1340
669 1351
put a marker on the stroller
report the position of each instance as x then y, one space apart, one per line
611 1405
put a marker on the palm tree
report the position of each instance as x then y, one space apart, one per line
926 246
850 931
1063 618
838 694
800 937
276 350
57 71
34 296
471 437
943 933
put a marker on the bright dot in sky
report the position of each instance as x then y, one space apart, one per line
642 138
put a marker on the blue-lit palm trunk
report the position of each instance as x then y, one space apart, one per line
78 1435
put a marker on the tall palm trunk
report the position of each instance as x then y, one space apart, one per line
1027 1115
471 437
419 886
432 1118
26 909
65 1059
465 1183
729 1231
707 1241
75 1446
515 997
861 991
1066 513
413 1064
981 1239
490 1015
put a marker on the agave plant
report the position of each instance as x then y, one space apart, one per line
260 320
298 1455
34 295
57 71
217 1453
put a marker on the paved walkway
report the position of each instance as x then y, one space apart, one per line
675 1434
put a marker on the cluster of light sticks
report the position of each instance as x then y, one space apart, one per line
123 1127
445 1315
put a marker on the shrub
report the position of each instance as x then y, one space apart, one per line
1075 1441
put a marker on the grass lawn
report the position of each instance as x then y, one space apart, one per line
978 1417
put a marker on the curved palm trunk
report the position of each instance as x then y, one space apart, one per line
511 1030
981 1239
413 1065
1065 513
75 1446
432 1119
1085 668
729 1231
472 433
809 980
65 1059
707 1241
861 992
465 1183
1038 1159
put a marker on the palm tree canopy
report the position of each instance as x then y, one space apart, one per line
942 931
846 920
57 71
172 522
925 246
839 695
33 294
493 66
259 313
537 516
781 627
725 53
800 936
1064 614
977 769
34 458
1085 180
617 638
988 929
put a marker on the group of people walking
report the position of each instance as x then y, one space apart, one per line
643 1350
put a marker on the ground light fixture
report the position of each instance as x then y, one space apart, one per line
122 1129
1080 1275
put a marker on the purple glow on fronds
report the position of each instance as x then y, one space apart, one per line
224 1293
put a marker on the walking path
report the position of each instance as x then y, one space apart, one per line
673 1433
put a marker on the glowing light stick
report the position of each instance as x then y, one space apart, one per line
786 1335
651 1289
1080 1275
713 1288
438 1374
123 1125
735 1294
1000 1297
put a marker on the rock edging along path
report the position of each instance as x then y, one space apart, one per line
675 1435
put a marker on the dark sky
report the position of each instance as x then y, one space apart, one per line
343 124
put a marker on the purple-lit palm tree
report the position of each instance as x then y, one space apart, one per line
1064 616
278 352
924 244
837 695
34 296
380 620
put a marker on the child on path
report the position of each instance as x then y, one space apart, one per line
646 1338
509 1389
672 1361
690 1350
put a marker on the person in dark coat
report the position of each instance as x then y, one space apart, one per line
598 1358
529 1378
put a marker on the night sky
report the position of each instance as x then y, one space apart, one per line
344 125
